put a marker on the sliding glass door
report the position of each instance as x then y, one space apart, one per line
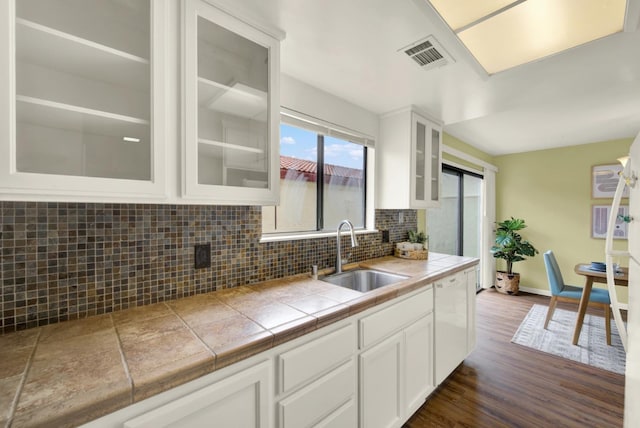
455 227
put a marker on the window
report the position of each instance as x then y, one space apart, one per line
322 181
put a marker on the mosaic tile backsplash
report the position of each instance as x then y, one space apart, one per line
63 261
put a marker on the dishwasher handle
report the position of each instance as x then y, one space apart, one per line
451 282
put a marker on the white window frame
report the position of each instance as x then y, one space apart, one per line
301 120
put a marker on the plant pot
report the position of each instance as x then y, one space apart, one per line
507 283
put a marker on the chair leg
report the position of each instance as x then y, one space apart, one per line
552 307
607 322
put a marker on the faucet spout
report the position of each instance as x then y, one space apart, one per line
354 243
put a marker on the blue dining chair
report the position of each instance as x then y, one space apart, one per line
569 293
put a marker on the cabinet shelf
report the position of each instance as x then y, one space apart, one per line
237 99
52 114
229 146
39 44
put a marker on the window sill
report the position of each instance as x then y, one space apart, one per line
308 235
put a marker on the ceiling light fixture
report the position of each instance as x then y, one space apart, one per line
131 139
502 34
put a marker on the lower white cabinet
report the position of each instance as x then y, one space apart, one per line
418 363
301 364
380 384
318 380
344 417
396 375
323 401
241 400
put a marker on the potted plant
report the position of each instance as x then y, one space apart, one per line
418 238
510 247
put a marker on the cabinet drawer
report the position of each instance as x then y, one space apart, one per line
312 359
345 417
387 321
241 400
321 400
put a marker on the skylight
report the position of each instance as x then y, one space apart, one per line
502 34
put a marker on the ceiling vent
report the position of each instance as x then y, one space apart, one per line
428 53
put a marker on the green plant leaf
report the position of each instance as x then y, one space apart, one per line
509 245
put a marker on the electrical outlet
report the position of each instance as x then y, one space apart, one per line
202 256
385 236
401 217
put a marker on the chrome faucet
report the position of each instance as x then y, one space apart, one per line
354 243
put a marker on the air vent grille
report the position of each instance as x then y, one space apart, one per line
427 53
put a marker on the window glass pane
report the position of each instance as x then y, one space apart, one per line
298 177
472 216
443 222
343 194
343 183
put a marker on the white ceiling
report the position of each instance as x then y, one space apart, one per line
350 48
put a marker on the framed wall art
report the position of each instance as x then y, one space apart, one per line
604 180
600 220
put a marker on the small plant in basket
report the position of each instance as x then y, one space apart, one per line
419 239
415 248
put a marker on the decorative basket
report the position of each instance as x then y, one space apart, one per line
412 254
508 284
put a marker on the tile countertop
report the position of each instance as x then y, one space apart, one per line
72 372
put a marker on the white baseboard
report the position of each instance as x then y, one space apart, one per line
533 291
536 291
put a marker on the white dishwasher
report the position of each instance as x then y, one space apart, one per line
450 311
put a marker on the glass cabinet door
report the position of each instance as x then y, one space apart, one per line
229 85
425 163
435 152
81 85
420 161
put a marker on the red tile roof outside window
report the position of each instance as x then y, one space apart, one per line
294 168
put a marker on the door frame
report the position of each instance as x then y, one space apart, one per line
487 234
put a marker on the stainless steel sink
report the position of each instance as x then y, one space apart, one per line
363 279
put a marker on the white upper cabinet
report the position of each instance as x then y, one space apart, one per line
230 108
408 161
82 109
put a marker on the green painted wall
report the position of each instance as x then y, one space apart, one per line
551 190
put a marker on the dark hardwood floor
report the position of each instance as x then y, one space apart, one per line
502 384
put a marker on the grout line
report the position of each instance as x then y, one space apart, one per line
23 381
125 365
193 332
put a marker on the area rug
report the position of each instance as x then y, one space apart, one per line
592 347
